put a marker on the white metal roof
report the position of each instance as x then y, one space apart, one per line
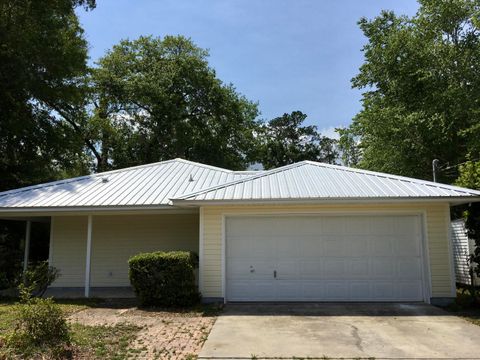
182 182
309 180
145 185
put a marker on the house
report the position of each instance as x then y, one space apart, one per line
303 232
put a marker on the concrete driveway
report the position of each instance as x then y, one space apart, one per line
381 331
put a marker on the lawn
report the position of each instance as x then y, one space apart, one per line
106 330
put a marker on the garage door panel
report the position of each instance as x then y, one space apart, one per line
408 268
407 246
383 290
360 290
312 290
242 268
310 246
357 245
382 268
239 246
333 246
288 269
332 225
310 269
334 268
324 258
286 248
358 268
406 290
336 290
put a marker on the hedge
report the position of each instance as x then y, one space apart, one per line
164 278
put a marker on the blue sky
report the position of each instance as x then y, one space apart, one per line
286 54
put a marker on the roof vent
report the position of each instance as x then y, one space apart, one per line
105 180
191 178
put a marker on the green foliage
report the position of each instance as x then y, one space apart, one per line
37 278
348 147
10 252
43 56
40 324
422 76
157 99
285 141
470 178
164 278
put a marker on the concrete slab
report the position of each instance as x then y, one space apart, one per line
353 330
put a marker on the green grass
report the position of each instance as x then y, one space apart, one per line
88 342
104 342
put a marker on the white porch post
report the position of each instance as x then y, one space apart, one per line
88 257
26 255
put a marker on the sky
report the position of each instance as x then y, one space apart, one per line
286 55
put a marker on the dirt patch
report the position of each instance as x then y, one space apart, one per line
164 334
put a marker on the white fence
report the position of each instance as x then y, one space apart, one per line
462 247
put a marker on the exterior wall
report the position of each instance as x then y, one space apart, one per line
68 249
437 220
115 238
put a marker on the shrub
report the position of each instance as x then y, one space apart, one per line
41 325
164 278
37 278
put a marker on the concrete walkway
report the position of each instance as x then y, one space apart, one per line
382 331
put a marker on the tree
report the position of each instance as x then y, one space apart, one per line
285 141
422 82
348 147
43 55
157 99
470 178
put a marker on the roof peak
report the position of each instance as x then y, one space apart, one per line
106 173
331 166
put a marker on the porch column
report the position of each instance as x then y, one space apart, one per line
26 255
88 257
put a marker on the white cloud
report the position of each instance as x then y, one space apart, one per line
330 132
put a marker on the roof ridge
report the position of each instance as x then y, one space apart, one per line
239 181
392 176
326 165
104 173
204 165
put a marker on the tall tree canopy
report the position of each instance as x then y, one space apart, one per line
43 55
285 141
422 82
157 99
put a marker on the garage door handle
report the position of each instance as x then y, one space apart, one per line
275 274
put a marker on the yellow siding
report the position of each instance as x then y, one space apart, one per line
437 218
114 240
69 237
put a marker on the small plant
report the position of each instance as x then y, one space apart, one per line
37 278
164 278
41 325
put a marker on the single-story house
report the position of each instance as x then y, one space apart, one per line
303 232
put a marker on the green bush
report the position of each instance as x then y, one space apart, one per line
37 278
41 325
164 278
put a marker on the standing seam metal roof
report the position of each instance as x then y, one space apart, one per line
169 183
312 180
151 184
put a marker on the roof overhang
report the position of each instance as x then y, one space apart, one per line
97 210
450 200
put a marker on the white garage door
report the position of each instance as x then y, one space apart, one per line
324 258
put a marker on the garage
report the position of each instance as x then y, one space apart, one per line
324 258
